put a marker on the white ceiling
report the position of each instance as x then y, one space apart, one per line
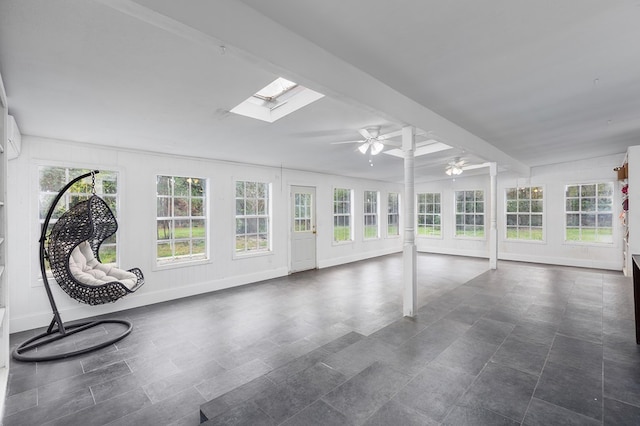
519 83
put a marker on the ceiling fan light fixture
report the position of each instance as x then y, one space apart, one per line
376 147
363 148
453 170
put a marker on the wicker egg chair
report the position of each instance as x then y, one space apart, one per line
72 251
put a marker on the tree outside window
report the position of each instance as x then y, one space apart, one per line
470 214
588 213
371 229
180 219
429 219
393 214
52 179
524 207
342 230
252 217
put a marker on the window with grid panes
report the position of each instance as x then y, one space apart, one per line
181 223
52 179
524 213
588 213
252 217
429 223
393 214
342 230
469 214
371 229
302 213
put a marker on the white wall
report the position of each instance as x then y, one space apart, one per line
137 188
553 250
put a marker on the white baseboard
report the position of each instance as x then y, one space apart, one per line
563 261
139 299
356 257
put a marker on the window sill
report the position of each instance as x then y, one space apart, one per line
180 264
341 243
514 240
248 255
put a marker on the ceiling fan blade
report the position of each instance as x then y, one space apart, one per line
341 142
365 134
390 135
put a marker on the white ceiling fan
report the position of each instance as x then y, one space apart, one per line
455 167
373 141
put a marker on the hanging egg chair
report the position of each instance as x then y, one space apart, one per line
72 249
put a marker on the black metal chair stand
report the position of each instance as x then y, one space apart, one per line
90 221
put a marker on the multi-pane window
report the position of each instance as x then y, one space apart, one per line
342 230
302 218
469 213
429 224
52 179
393 214
252 217
371 214
180 219
524 213
588 212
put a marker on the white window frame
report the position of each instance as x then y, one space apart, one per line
596 212
66 199
267 217
397 214
523 215
342 214
466 213
371 213
433 214
174 260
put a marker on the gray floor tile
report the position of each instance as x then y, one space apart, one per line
622 382
524 355
292 316
490 331
466 354
502 390
318 414
575 389
164 412
542 413
107 411
620 414
394 413
465 416
43 412
246 413
364 394
435 390
576 353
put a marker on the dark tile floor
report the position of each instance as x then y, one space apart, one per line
525 344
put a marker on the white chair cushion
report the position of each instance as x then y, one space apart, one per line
85 268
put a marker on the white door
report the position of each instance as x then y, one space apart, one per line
303 228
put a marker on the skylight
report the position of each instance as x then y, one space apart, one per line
279 98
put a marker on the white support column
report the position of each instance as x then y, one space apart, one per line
493 232
409 251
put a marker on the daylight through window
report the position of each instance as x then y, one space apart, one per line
588 212
252 217
181 234
524 213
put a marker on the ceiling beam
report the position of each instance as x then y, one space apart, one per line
233 28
